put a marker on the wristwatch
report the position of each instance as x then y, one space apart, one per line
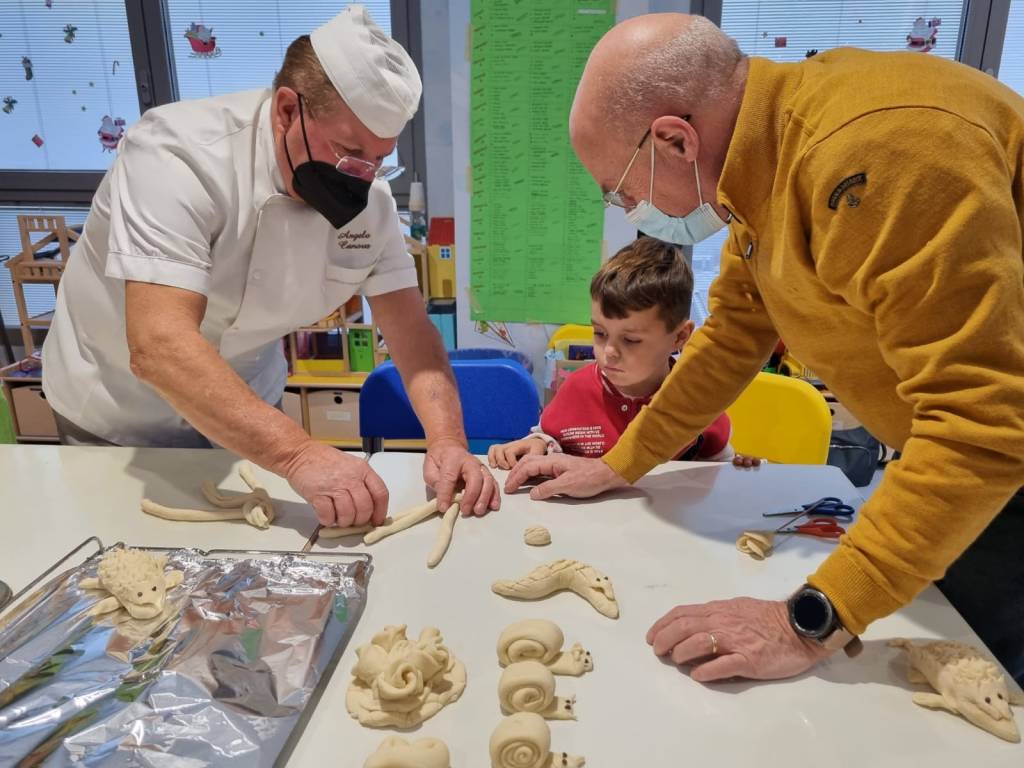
812 615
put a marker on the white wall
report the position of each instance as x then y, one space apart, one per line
445 24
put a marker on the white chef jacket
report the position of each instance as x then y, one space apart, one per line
195 200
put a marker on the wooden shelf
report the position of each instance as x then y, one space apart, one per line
37 440
389 445
345 381
14 375
40 321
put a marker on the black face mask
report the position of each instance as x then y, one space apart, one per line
338 197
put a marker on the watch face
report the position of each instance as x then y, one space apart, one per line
811 613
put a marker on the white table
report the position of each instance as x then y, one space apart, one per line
669 541
54 497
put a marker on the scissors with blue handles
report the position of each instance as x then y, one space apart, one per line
829 506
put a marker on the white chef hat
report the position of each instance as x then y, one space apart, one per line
372 73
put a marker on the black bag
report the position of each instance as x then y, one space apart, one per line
857 453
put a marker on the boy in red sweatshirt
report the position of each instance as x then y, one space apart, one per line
640 312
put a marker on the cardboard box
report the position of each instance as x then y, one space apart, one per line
33 414
291 404
333 414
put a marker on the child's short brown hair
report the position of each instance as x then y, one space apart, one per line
646 273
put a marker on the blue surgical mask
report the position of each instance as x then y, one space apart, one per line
699 224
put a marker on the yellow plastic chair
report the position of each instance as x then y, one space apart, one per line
781 419
584 333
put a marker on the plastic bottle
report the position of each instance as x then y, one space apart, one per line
417 212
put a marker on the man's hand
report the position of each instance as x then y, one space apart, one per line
506 455
753 639
447 463
342 489
573 476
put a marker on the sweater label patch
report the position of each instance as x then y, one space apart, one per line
850 181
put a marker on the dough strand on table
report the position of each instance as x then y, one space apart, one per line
966 683
399 682
255 507
523 740
330 532
444 535
402 522
417 515
542 640
585 580
529 686
396 752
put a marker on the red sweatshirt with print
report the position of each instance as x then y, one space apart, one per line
588 414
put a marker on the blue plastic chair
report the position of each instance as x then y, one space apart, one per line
499 403
490 353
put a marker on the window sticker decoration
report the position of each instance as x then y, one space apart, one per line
37 140
26 62
203 41
9 102
780 42
110 132
924 34
69 33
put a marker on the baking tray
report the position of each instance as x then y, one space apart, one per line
227 675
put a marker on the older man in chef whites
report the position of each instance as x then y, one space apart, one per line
226 223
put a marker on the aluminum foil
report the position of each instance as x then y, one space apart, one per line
222 677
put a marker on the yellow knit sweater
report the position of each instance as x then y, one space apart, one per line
879 206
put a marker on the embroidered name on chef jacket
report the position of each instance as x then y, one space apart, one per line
348 240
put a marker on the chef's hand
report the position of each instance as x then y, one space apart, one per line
342 489
574 476
752 639
447 466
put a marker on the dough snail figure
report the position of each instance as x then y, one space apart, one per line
529 686
586 581
400 683
966 683
523 740
541 640
396 752
132 580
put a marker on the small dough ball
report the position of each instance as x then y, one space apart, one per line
537 536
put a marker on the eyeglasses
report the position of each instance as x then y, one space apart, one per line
355 166
615 197
365 170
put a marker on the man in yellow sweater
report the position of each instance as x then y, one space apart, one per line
875 205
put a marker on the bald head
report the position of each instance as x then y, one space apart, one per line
678 77
648 66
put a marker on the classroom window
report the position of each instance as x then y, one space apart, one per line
1011 63
67 84
219 50
783 30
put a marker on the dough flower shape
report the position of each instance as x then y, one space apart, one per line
400 683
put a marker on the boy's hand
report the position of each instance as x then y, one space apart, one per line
506 455
740 460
